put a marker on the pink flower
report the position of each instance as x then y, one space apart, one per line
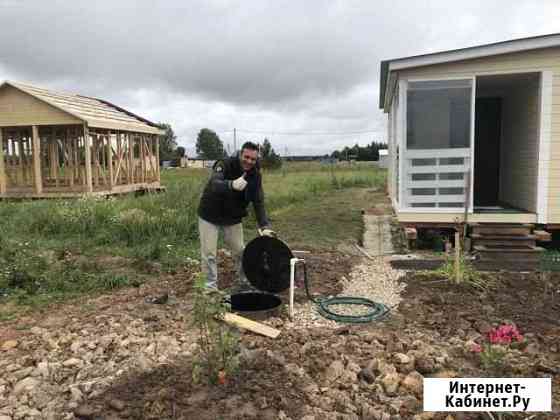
504 334
476 348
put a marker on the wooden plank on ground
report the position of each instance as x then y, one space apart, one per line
249 324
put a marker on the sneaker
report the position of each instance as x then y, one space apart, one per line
242 288
212 291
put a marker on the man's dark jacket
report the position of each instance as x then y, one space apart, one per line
221 205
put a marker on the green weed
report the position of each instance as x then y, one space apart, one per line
217 357
468 273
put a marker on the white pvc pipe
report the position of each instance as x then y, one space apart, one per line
293 263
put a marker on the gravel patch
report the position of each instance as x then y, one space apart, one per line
57 366
373 279
376 280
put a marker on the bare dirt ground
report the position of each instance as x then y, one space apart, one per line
461 316
118 357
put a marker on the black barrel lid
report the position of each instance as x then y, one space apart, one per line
266 262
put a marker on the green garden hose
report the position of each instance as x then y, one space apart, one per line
377 312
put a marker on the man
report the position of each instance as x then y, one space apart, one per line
235 182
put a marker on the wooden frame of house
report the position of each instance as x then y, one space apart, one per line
475 133
60 145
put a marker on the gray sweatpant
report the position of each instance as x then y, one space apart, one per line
233 238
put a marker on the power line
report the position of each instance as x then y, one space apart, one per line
301 133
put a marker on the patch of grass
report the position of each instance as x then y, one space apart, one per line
30 278
40 241
550 261
325 221
171 257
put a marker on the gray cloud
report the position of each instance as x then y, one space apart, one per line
267 65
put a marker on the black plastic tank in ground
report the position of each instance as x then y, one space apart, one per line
266 263
256 305
254 301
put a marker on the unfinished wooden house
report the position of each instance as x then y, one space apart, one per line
474 136
60 145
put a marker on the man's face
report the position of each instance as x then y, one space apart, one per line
248 159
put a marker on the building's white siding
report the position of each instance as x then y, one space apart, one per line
390 163
523 62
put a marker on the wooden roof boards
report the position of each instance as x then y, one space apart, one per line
97 113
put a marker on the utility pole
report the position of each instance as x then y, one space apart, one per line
235 140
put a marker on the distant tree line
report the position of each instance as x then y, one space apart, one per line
210 146
168 148
369 152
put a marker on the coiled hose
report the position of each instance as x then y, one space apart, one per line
377 312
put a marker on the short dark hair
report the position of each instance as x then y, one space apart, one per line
249 145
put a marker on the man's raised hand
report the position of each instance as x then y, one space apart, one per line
239 184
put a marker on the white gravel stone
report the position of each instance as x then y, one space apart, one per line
376 280
77 395
25 385
72 362
372 279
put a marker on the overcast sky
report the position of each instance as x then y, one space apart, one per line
270 66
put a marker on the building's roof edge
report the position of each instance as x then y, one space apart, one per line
93 111
468 53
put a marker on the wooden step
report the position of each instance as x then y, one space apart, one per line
513 249
510 258
501 229
543 236
419 264
520 253
501 265
503 240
